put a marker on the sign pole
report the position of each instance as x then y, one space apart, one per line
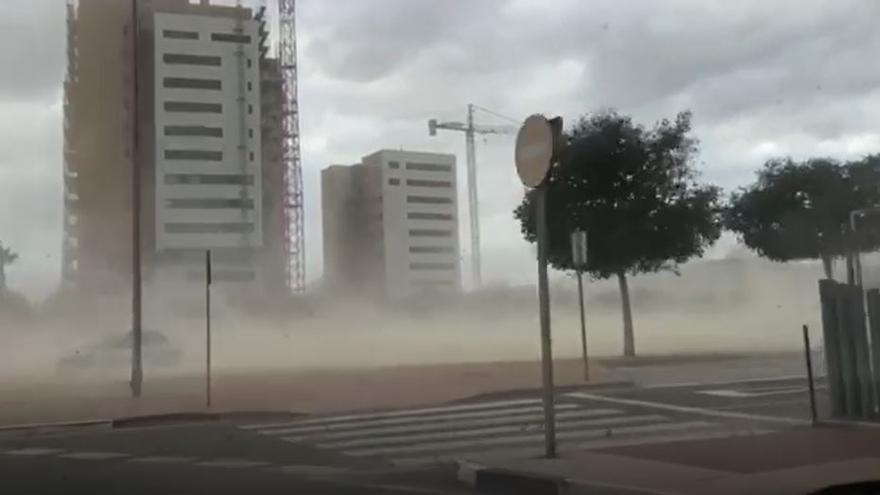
544 308
208 329
580 277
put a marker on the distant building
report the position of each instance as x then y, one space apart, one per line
391 223
208 112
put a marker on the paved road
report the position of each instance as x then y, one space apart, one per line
585 420
400 451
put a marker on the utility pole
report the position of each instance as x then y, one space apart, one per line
470 130
137 374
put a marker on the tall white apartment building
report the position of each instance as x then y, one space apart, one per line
207 146
392 222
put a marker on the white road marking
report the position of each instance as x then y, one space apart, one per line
738 394
397 413
724 382
348 425
307 470
93 456
159 459
687 409
482 432
480 444
32 451
232 463
497 420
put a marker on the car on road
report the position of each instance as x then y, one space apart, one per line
115 352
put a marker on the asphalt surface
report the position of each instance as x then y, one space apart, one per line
407 451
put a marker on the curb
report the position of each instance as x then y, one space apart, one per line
508 482
202 417
57 425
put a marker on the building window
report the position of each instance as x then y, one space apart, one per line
251 133
428 167
431 249
191 83
210 203
417 215
393 164
230 38
250 109
394 182
250 86
184 59
249 63
193 130
430 233
428 183
213 156
251 156
193 107
209 179
180 35
209 228
431 265
429 200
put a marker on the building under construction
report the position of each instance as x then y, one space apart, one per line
186 96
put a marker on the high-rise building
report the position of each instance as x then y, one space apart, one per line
391 223
208 113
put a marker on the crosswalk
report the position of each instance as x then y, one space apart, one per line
436 434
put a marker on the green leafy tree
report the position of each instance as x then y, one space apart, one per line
7 257
635 191
801 210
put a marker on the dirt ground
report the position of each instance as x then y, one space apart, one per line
27 401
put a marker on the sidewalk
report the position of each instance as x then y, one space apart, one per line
40 400
797 461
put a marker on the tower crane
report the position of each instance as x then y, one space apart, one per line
470 130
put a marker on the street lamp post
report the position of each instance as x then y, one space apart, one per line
579 261
137 375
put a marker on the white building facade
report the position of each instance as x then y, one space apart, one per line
419 221
207 151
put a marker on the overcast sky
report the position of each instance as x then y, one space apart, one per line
763 78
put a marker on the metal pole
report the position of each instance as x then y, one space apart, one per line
473 201
857 257
544 307
810 384
580 277
208 328
137 374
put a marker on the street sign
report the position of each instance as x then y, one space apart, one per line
579 249
534 150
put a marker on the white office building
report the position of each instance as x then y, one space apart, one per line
207 152
394 217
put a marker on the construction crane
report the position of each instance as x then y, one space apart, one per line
470 131
293 182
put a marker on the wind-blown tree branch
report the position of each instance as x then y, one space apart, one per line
7 257
635 192
800 210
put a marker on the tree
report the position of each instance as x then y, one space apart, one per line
7 257
801 210
635 192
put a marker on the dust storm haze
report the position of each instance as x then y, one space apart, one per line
728 305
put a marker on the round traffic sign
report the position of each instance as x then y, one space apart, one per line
534 150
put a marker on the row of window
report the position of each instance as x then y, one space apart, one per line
193 130
209 179
193 35
209 228
418 215
426 167
429 200
431 265
421 183
431 249
210 203
430 233
200 155
192 107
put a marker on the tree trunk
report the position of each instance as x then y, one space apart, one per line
629 343
828 266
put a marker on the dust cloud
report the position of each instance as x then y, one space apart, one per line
730 305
